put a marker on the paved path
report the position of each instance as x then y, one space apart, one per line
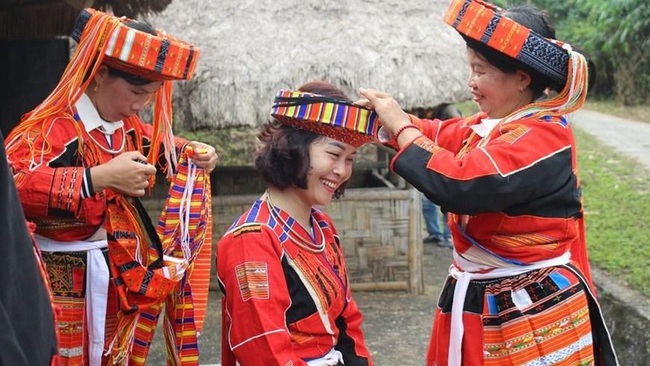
626 136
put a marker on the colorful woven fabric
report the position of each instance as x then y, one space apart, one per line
144 273
185 228
326 116
479 21
154 57
540 318
68 297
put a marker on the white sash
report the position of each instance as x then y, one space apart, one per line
97 277
332 358
469 273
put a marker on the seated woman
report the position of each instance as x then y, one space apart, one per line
287 298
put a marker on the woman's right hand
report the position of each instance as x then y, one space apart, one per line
127 173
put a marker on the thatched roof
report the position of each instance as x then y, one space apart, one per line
29 19
251 49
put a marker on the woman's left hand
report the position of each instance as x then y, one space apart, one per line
204 156
391 115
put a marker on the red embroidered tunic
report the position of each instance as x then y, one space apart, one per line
284 305
51 170
57 194
513 195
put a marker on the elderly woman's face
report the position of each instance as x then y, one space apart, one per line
116 99
497 93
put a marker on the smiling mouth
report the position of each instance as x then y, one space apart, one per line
329 184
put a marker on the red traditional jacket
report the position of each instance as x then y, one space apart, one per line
284 305
513 193
55 187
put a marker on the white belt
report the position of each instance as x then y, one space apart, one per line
97 277
332 358
462 284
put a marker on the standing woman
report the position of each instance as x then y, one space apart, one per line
287 298
519 290
80 161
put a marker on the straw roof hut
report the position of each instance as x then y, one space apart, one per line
252 48
29 19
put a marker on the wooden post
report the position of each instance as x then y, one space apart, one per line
416 278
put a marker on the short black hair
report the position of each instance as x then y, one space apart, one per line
283 160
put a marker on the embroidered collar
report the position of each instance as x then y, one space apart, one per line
90 117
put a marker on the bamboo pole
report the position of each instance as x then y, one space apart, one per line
416 278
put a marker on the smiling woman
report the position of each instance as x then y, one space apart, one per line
508 178
280 266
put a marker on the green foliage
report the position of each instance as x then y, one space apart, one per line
616 36
617 204
235 146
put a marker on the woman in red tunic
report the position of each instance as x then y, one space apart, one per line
519 290
287 298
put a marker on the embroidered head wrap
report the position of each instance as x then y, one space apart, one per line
105 39
153 57
332 117
484 26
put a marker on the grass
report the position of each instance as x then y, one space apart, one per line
638 113
617 206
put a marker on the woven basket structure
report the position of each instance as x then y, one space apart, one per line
380 231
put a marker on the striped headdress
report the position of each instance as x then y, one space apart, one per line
483 25
327 116
153 57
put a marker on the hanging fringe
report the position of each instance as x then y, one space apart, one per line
569 100
120 347
84 62
185 229
76 78
163 136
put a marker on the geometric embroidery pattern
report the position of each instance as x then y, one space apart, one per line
253 278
